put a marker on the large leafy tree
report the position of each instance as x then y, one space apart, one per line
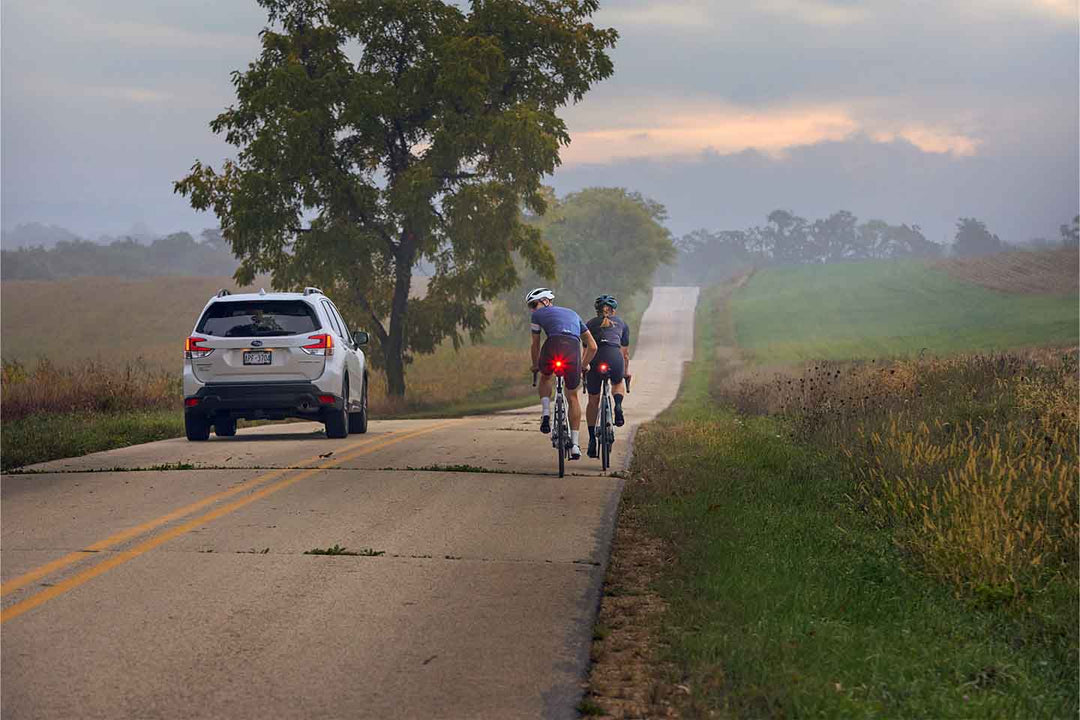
372 134
605 240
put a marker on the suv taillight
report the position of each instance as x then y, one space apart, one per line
193 350
323 345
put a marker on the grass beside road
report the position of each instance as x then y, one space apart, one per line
49 436
790 592
864 310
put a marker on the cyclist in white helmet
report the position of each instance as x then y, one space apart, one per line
565 335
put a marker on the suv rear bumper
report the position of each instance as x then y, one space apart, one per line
262 400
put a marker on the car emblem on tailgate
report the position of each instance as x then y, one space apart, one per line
256 343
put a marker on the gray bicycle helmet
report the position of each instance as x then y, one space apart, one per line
608 300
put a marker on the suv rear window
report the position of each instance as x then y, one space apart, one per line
258 318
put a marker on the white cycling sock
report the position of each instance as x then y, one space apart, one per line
545 406
574 437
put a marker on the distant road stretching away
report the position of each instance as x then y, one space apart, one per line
184 593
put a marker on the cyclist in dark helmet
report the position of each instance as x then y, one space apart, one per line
613 339
565 335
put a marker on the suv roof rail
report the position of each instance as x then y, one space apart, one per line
223 292
312 291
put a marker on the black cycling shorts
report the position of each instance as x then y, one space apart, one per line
610 355
565 350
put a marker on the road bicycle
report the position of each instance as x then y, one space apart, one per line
560 428
604 430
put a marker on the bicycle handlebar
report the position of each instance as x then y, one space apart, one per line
535 373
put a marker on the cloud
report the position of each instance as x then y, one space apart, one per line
680 16
932 140
816 12
73 22
668 130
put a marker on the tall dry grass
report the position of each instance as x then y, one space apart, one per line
971 460
93 387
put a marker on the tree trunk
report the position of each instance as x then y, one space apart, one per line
394 347
394 364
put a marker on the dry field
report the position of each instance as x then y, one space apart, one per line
1043 272
109 344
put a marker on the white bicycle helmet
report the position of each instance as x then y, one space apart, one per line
538 294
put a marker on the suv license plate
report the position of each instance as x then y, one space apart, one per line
256 357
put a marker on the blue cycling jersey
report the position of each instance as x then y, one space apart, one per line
555 320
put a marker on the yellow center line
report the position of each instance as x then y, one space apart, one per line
75 581
124 535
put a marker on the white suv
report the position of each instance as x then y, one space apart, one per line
273 355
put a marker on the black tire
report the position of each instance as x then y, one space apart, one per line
561 437
358 420
605 454
605 449
196 427
225 428
337 420
562 453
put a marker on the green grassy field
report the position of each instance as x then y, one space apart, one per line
785 316
785 594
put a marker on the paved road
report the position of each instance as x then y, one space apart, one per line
135 591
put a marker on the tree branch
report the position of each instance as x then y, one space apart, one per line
380 331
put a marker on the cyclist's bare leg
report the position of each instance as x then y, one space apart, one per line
619 388
592 409
543 388
575 409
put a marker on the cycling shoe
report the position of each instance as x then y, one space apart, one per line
545 424
592 448
575 453
619 419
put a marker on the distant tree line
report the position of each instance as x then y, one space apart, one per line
787 239
175 254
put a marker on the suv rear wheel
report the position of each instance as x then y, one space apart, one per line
358 420
196 427
337 421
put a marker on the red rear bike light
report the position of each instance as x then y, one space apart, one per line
323 345
191 402
326 399
193 348
603 367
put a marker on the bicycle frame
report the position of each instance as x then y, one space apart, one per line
605 423
560 428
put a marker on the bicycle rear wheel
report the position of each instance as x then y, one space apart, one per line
605 411
562 451
605 444
560 439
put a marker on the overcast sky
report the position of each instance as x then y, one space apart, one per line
916 111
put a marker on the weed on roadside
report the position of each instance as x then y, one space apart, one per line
339 550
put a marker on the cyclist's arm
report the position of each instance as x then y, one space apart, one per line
624 346
535 350
590 348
